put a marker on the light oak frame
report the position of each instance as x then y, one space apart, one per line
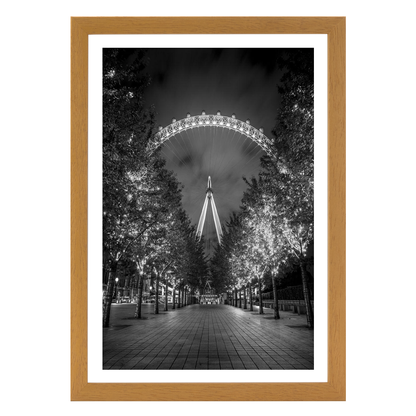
335 388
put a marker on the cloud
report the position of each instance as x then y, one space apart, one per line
240 81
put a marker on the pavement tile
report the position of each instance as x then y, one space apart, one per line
287 366
177 365
165 365
299 366
207 337
251 366
153 365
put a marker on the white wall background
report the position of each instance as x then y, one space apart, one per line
35 204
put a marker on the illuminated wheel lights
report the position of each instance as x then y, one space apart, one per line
203 120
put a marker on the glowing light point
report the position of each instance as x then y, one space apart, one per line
209 189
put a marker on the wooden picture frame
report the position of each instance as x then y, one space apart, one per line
335 388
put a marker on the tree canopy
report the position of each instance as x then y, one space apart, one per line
274 227
143 219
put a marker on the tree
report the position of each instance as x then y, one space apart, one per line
170 249
294 129
275 225
280 208
268 243
127 128
140 197
293 141
224 268
288 181
162 246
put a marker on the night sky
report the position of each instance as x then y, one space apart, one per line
239 81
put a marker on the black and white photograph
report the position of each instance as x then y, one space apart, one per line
208 208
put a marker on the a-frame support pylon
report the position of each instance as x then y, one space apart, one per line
209 198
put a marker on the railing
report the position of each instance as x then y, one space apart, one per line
289 299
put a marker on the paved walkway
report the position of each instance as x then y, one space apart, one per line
206 337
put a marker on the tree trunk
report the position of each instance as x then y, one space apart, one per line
126 285
261 312
309 310
138 311
174 294
275 304
239 298
109 295
179 298
245 297
235 297
250 296
132 286
157 294
166 295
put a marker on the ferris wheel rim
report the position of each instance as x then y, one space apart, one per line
209 120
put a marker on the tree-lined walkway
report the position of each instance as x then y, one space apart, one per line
207 337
